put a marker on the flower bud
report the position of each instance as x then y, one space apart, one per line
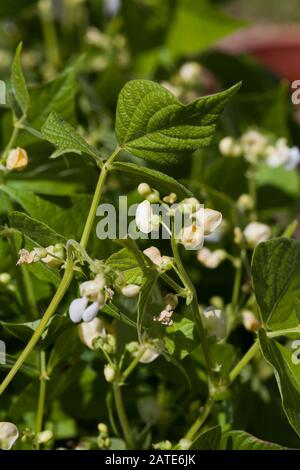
189 205
131 290
184 444
153 197
255 233
17 159
5 278
77 308
44 437
8 435
58 251
144 189
250 321
171 301
88 332
189 73
212 220
102 428
211 259
170 198
245 202
162 262
226 146
214 322
110 373
90 312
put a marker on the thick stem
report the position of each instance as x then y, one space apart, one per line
42 396
132 365
122 415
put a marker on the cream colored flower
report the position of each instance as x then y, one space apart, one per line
192 237
214 322
58 253
226 146
211 259
131 290
255 233
144 189
28 257
164 317
8 435
153 253
145 219
250 321
17 159
91 330
93 289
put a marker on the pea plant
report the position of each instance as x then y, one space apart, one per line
130 339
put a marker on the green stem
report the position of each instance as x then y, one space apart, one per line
66 280
274 334
177 288
195 310
252 190
196 426
122 415
42 396
244 361
13 137
132 365
62 288
98 191
49 33
236 287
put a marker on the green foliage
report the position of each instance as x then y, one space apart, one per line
19 87
152 124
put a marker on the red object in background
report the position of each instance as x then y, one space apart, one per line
276 46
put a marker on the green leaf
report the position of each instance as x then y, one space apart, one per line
208 440
181 338
47 187
67 344
154 178
125 263
287 375
241 440
286 181
65 137
276 281
152 124
198 25
34 230
19 87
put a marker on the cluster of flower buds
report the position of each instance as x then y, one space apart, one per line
103 439
165 316
17 159
253 234
52 255
214 322
94 292
8 435
258 148
211 259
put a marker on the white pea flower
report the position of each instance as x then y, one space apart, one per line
8 435
28 257
192 237
77 308
91 330
149 355
153 253
250 321
282 155
91 312
17 159
293 159
92 289
131 290
211 259
211 218
214 322
145 219
255 233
